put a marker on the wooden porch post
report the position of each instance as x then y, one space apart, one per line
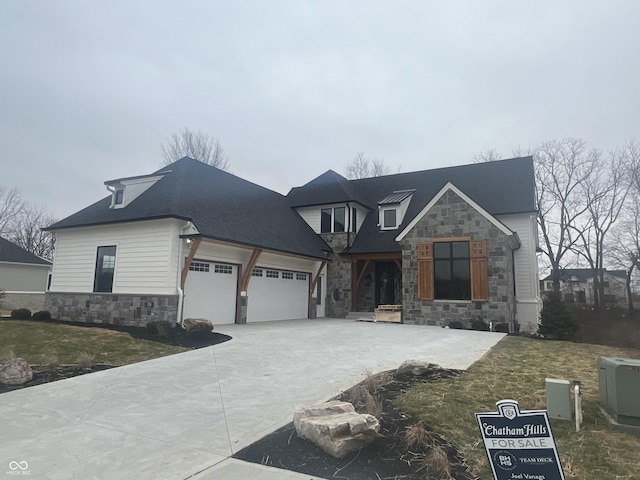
187 262
312 288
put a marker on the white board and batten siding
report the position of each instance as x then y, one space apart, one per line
526 268
146 257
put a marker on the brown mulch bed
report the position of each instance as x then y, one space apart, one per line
176 336
385 459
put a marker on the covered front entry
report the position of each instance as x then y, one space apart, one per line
277 295
210 291
376 280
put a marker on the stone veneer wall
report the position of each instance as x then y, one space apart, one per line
338 277
115 309
450 217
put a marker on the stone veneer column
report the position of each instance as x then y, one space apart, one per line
338 295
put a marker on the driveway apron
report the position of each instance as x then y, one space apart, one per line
183 416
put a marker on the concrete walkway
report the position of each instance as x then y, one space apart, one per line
183 416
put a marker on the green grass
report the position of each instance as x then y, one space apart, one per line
39 343
516 368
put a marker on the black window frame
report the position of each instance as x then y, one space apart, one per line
354 219
447 287
103 277
339 219
118 197
326 220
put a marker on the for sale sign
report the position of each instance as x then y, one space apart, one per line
519 444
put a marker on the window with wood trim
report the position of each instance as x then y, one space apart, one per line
453 270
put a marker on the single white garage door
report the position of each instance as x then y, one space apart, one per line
277 295
210 292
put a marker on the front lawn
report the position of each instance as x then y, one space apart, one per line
48 343
516 368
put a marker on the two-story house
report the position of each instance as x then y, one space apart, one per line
190 240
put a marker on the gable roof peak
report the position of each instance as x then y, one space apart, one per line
10 252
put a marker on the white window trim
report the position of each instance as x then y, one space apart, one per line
386 209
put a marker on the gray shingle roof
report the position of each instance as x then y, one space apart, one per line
10 252
221 205
500 187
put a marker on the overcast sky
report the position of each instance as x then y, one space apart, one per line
89 90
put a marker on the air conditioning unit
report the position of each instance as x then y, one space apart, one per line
619 383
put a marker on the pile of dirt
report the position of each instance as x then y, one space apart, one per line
388 457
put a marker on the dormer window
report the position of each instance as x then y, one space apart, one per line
389 218
391 209
135 186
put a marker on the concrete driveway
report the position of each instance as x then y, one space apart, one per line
183 416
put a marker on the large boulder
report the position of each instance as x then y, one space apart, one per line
197 325
414 367
15 372
336 427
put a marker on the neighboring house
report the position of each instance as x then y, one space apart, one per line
23 277
191 240
577 286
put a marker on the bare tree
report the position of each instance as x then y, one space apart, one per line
488 155
605 193
196 145
11 204
363 167
561 169
26 231
624 248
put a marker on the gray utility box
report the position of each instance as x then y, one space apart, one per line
619 383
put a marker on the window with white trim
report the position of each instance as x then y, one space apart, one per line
273 274
105 268
257 272
334 220
287 275
389 218
301 276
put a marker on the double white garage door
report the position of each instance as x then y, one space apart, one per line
210 292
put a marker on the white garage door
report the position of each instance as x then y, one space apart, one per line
210 292
277 295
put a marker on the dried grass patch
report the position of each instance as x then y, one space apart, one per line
516 368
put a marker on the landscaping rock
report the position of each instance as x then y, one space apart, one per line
414 367
15 372
336 427
197 325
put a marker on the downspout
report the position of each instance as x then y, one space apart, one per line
179 276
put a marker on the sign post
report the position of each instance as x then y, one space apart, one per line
519 444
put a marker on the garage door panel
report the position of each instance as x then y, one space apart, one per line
210 292
272 298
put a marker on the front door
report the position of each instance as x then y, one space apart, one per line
388 284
